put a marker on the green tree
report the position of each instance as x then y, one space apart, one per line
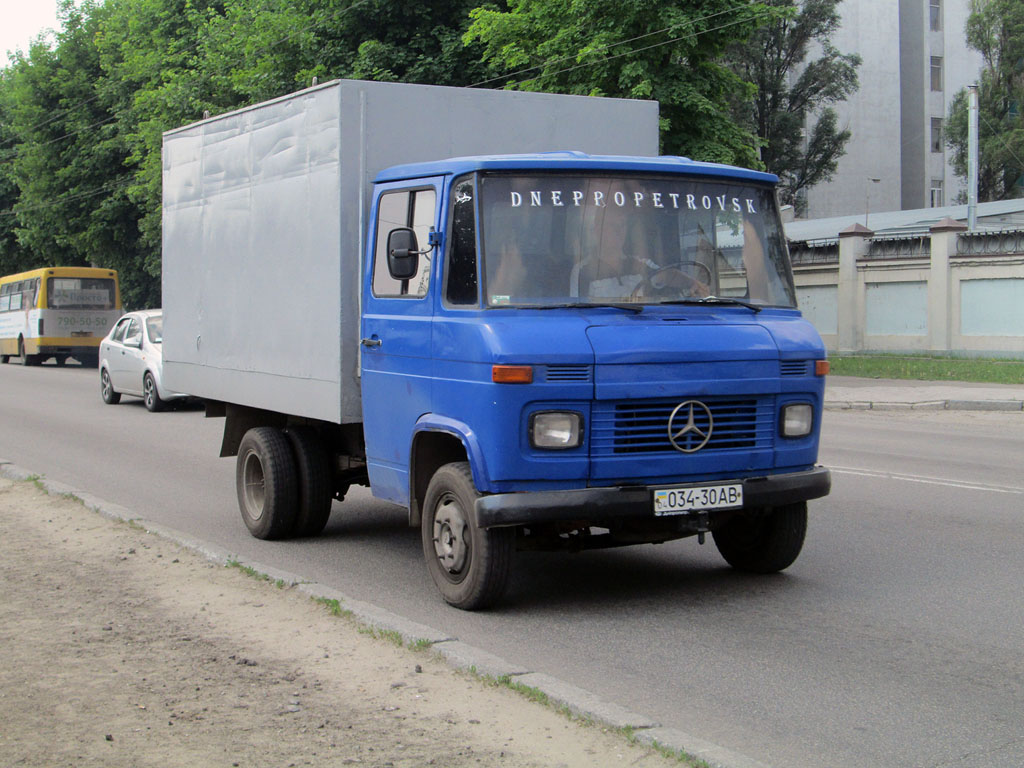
10 252
153 71
995 28
791 113
66 159
259 49
643 49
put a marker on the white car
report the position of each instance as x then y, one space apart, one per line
131 360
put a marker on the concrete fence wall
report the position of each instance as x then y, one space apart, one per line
949 291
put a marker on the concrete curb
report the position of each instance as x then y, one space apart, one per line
925 405
458 655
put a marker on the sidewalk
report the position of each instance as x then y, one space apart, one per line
134 646
852 393
129 650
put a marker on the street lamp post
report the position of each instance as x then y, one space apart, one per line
867 198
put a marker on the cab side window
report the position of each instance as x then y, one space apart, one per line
461 286
404 208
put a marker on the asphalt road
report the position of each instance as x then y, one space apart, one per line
897 638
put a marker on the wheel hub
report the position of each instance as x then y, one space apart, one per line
255 486
451 536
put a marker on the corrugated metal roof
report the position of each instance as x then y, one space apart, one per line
1001 214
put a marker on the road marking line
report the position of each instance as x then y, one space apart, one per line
927 480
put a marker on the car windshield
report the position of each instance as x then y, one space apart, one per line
155 329
552 240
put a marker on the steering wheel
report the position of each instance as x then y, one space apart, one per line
675 281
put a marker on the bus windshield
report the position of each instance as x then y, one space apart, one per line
80 293
552 240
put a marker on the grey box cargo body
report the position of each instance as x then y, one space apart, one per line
265 212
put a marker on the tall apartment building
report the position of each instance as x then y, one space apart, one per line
915 59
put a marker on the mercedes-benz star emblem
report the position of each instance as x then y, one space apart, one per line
678 429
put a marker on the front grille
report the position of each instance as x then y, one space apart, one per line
641 426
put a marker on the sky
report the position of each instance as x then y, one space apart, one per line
21 20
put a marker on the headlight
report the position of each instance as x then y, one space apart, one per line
797 420
556 429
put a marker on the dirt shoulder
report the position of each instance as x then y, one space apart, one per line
123 649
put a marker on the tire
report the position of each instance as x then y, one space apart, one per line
764 543
110 397
4 359
60 360
150 394
314 482
469 565
265 479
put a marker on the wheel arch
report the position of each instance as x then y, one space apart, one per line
438 441
240 419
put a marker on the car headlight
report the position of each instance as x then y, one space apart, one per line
797 420
556 429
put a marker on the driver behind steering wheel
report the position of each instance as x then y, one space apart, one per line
673 279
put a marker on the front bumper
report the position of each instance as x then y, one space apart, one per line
631 502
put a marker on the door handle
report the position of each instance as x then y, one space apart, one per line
371 342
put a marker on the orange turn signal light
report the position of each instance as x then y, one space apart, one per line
822 367
512 374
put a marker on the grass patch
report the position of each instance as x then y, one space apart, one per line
37 482
395 637
628 733
929 368
333 607
536 695
254 574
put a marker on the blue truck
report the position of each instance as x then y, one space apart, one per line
528 347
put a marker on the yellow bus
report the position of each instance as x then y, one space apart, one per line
57 312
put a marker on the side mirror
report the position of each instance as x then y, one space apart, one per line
134 341
403 254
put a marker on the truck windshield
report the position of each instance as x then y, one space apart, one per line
586 239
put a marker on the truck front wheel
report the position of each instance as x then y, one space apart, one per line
267 484
469 565
763 543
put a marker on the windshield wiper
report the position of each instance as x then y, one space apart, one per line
629 307
716 300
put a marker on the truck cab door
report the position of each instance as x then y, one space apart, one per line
396 363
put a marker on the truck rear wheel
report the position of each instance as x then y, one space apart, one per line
763 543
469 565
314 482
267 484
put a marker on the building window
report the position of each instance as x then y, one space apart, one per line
936 193
936 71
935 14
936 134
